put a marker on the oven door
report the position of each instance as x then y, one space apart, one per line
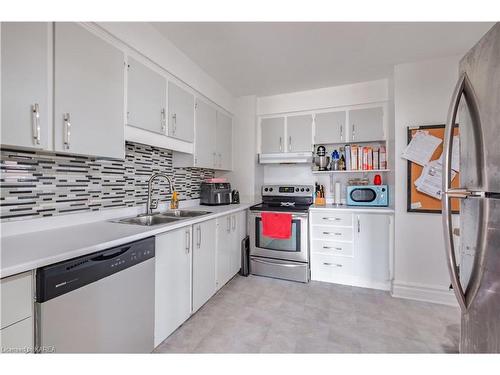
294 248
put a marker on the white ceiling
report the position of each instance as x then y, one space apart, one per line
270 58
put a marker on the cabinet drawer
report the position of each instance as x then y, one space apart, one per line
332 248
331 268
332 218
332 233
18 338
16 298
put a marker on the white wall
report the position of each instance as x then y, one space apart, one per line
422 93
145 39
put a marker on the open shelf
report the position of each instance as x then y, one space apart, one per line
356 171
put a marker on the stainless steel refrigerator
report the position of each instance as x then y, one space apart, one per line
475 265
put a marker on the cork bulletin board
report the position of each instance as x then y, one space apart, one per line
426 203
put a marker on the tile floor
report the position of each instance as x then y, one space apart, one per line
262 315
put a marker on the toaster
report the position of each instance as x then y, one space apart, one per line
215 193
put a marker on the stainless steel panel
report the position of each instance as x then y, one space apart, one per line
279 269
112 315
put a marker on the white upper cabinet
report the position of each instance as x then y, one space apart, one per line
272 132
330 127
89 93
26 83
206 120
224 142
146 97
299 133
180 113
366 124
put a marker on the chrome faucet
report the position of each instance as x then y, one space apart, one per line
153 203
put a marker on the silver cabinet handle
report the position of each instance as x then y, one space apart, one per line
233 219
163 120
290 143
198 229
279 264
332 264
228 222
463 87
35 120
187 241
281 144
220 160
215 159
67 131
330 247
359 225
174 123
341 132
335 233
353 132
332 218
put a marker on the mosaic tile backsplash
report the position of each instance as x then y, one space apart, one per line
35 184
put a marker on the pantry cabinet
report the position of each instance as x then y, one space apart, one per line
330 127
146 97
366 124
88 93
26 65
172 282
180 113
272 132
204 262
350 248
223 142
299 133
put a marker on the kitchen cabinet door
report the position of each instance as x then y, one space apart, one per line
299 133
26 63
180 113
224 142
272 133
225 241
146 97
371 252
204 262
240 232
330 127
89 93
172 282
18 336
206 120
367 124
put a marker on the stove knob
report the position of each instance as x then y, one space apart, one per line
270 189
302 189
266 189
307 189
296 189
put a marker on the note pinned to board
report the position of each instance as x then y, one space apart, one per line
421 147
431 179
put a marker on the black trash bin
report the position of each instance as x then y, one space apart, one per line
245 256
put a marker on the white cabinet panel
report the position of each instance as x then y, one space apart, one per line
299 133
332 233
146 97
372 247
204 262
367 124
224 142
206 119
241 233
272 134
89 92
17 338
172 282
26 62
17 301
330 127
331 218
180 113
225 245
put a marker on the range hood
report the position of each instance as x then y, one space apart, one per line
286 158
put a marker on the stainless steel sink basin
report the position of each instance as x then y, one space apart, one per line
184 213
148 220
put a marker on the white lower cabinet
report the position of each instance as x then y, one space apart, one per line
16 319
204 262
172 282
350 248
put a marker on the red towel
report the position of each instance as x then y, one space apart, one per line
277 226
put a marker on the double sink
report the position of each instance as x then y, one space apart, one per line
162 218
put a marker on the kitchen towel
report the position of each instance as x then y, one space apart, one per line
276 225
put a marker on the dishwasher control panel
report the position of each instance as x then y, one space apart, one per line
61 278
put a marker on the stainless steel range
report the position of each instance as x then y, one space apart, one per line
286 258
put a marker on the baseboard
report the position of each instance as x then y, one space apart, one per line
426 293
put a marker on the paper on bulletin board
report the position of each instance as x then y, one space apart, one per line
421 148
431 179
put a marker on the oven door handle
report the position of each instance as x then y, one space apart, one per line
277 264
294 215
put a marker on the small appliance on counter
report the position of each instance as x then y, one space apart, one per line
235 197
368 195
214 192
321 160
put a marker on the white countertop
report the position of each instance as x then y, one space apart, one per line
27 251
343 207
